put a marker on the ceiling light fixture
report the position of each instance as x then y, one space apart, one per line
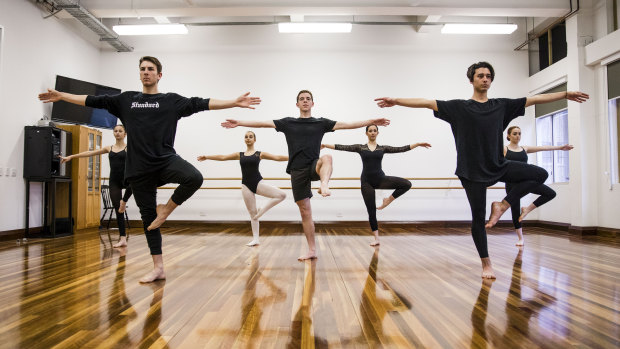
150 29
304 27
476 28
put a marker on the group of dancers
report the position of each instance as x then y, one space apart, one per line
150 118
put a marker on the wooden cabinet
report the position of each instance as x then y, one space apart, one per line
86 176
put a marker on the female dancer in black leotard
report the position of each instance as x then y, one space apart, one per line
251 181
515 152
117 154
372 175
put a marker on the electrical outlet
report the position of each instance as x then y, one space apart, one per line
13 172
203 214
1 171
339 214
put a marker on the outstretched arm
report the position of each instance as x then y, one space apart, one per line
328 146
85 154
422 144
267 156
233 156
232 123
386 102
243 101
576 96
341 125
536 149
54 96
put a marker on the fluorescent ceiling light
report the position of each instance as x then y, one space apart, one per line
474 28
303 27
150 29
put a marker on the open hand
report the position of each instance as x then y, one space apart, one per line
50 96
385 102
230 123
245 101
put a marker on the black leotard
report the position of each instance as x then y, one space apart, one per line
117 184
250 176
371 160
516 155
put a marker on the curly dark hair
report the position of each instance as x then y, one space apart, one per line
472 70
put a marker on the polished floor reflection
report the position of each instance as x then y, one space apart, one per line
421 288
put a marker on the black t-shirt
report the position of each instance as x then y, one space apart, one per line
303 137
371 159
151 124
478 134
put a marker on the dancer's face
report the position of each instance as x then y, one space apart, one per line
372 133
249 138
482 80
148 74
515 135
119 133
305 102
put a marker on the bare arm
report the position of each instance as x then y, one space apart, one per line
243 101
54 96
386 102
231 123
422 144
328 146
233 156
267 156
85 154
341 125
576 96
536 149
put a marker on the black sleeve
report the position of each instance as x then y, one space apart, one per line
356 148
110 103
188 106
388 149
281 125
513 109
447 110
328 125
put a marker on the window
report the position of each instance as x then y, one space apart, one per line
613 112
552 130
548 48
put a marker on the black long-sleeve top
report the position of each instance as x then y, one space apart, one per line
371 159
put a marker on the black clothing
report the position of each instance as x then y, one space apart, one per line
117 184
301 180
516 155
368 193
478 134
250 176
303 137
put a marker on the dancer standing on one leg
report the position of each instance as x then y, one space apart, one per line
303 137
515 152
117 154
373 177
151 118
478 125
252 182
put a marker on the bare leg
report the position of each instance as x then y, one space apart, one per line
121 208
526 210
386 202
376 242
158 270
250 203
497 210
277 195
163 211
487 269
308 225
122 242
520 234
324 168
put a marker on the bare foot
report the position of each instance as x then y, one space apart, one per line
520 243
525 211
487 269
156 274
162 214
497 210
253 243
122 242
121 208
375 243
386 202
310 255
324 190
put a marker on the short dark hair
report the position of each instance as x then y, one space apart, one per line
367 127
305 91
152 60
120 125
471 71
510 131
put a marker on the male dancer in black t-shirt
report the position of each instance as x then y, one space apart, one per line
477 125
303 137
151 119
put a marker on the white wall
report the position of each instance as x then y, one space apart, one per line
33 51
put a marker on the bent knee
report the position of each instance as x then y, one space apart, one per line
327 158
195 180
281 196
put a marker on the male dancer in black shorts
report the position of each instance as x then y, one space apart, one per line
303 136
477 125
151 119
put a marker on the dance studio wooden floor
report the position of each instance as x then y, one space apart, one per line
419 289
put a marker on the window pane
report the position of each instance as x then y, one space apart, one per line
560 137
544 135
612 109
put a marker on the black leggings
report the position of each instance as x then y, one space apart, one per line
524 179
546 194
116 190
145 193
368 193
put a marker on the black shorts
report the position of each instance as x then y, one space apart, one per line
300 181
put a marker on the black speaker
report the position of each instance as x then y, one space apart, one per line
42 146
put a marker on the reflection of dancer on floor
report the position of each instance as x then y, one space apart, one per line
252 182
373 177
515 152
119 303
117 154
303 137
477 125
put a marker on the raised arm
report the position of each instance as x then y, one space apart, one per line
341 125
328 146
535 149
390 149
232 123
233 156
267 156
386 102
243 101
54 96
85 154
576 96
